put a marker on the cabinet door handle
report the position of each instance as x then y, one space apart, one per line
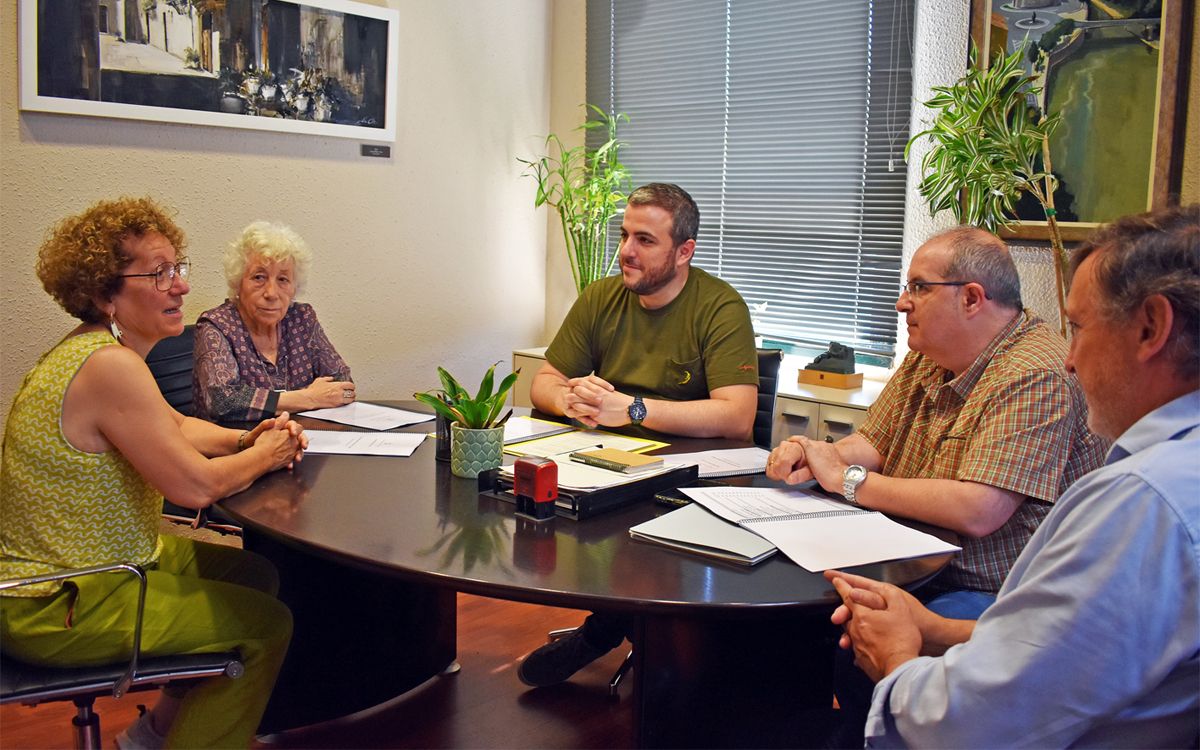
829 438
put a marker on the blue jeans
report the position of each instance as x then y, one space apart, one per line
854 689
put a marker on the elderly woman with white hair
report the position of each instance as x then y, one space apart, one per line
261 353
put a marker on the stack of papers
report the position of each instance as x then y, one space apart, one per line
521 429
694 529
817 533
576 477
581 440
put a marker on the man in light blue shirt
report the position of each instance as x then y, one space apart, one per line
1094 639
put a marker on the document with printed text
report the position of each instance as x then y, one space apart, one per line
364 443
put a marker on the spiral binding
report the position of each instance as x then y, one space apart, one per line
802 516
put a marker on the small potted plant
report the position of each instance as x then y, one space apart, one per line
476 435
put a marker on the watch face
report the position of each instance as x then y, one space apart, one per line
637 411
855 474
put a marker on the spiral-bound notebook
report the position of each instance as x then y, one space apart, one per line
818 533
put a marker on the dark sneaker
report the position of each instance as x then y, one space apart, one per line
558 660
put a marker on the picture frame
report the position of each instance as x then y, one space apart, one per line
318 67
1146 158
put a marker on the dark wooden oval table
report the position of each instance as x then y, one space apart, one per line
372 550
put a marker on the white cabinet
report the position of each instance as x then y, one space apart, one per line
529 361
814 419
819 412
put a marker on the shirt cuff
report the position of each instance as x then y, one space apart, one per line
881 730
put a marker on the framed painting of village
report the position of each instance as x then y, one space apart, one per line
1112 69
322 67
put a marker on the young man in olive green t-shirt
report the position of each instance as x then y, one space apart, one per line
663 348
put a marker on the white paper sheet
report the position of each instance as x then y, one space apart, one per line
363 443
727 462
370 416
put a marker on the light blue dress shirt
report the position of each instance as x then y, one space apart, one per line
1094 639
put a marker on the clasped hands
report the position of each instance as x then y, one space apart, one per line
884 625
282 437
799 459
594 401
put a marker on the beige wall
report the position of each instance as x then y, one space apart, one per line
432 257
568 92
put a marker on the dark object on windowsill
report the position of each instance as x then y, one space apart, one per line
839 359
833 369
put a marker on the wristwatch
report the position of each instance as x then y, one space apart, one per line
852 477
637 411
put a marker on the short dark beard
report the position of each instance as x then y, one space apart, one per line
655 279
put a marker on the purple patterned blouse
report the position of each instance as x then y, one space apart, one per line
233 382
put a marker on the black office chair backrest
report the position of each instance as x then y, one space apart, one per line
768 385
170 362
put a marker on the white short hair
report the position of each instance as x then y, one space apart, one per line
271 242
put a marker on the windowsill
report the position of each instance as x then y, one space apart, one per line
874 379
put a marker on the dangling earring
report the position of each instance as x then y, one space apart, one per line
112 326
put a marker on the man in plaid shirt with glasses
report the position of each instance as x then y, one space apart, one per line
979 431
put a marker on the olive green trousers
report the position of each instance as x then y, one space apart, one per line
200 597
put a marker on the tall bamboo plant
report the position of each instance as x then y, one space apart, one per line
989 146
586 187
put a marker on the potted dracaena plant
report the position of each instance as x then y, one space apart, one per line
988 146
585 186
476 435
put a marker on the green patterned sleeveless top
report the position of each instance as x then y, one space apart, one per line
59 506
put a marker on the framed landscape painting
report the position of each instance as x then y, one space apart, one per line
1112 69
323 67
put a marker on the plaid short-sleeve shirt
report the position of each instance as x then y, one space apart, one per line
1015 419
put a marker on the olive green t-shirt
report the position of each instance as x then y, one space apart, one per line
700 341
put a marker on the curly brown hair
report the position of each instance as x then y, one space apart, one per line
81 258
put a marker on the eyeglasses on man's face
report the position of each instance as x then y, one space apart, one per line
164 275
919 288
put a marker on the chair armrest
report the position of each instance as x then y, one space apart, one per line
126 680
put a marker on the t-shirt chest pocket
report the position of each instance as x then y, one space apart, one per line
684 380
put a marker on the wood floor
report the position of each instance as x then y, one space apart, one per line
482 706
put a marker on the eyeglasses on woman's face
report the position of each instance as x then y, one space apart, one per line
164 275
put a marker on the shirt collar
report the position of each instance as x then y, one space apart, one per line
1170 421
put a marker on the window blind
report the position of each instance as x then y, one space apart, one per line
786 120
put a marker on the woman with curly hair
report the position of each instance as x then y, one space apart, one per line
91 447
261 352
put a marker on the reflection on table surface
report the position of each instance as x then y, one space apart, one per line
412 518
